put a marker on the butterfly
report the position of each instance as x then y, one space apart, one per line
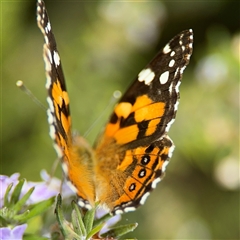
131 155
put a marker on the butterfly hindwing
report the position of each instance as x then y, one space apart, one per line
149 165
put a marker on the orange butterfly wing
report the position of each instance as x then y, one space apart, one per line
75 153
135 147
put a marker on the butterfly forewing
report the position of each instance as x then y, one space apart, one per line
58 113
148 108
68 149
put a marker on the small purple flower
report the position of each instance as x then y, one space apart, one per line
57 184
4 182
49 187
43 190
16 233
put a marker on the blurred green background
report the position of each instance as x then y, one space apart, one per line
103 45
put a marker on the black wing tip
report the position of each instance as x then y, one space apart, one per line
40 5
186 32
42 17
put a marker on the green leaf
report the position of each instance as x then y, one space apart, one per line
64 226
6 203
20 217
95 230
120 230
35 210
88 219
16 192
77 220
3 221
18 206
59 215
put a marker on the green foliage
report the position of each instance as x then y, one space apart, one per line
83 226
16 211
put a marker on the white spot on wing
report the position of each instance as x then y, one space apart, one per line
176 72
88 206
48 83
144 198
59 153
164 77
129 209
47 58
56 58
82 204
166 49
46 39
182 69
170 88
48 27
38 17
50 103
172 53
50 117
52 132
146 76
164 165
171 63
177 86
119 211
170 153
176 106
188 57
38 9
169 125
155 182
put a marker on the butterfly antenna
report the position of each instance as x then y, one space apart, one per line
21 85
116 95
